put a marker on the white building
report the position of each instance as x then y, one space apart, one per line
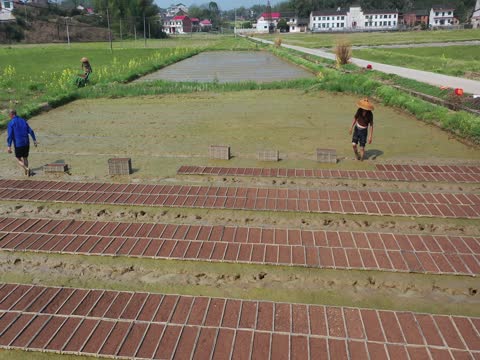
476 16
380 19
297 25
328 20
441 17
263 23
353 18
173 10
6 8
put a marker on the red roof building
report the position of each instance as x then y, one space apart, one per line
181 24
274 16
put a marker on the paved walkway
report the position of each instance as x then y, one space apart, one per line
154 326
469 86
385 173
294 247
425 204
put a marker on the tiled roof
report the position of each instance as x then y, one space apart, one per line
328 12
381 11
275 15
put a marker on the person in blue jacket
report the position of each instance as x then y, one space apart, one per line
17 133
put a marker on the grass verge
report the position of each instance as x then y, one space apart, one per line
449 60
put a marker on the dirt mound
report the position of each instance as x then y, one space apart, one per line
55 31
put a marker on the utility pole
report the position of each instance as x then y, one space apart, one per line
68 32
121 35
144 30
235 25
135 28
149 33
109 31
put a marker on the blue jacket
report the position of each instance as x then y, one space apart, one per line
18 131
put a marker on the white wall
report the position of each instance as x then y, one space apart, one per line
439 16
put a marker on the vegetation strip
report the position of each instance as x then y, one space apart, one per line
146 325
242 198
384 175
320 249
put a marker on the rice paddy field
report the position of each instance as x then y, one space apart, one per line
34 75
165 262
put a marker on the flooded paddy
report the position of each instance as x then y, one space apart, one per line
230 66
162 133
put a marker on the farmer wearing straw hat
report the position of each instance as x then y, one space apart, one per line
86 67
361 121
82 79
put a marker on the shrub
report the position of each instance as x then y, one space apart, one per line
343 52
278 42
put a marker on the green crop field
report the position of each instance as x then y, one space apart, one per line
377 38
450 60
33 75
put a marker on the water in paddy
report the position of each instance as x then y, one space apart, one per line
230 66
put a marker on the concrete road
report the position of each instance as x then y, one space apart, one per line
469 86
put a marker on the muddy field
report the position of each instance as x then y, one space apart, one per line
162 133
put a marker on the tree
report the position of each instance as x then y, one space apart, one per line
283 26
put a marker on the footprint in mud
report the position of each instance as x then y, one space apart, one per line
472 291
260 276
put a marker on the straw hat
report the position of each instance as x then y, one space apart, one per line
84 60
365 104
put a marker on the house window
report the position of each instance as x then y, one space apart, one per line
437 13
375 23
394 23
343 17
389 23
384 23
328 17
293 28
443 13
7 5
436 21
323 25
384 16
449 13
366 24
389 16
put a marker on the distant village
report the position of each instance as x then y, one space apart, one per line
176 19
